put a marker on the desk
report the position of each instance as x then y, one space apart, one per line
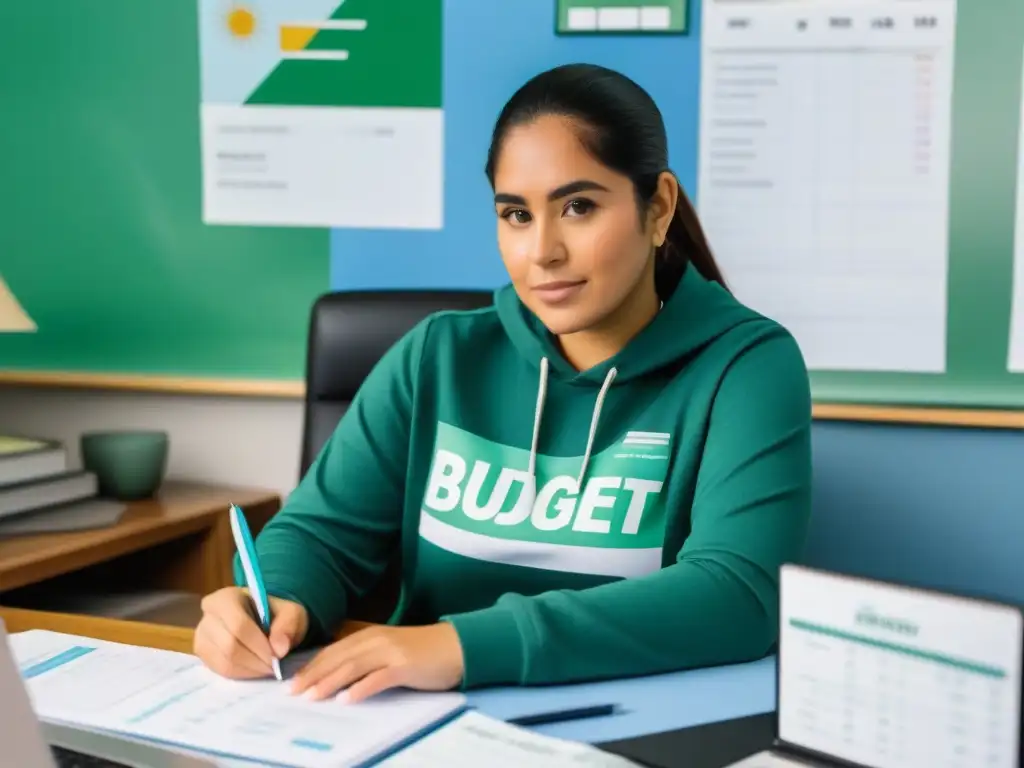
180 540
651 704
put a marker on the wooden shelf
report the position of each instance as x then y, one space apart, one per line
946 417
177 385
268 388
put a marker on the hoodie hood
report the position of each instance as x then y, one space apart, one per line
696 313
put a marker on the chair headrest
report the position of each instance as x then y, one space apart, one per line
351 330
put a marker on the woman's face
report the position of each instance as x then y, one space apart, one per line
569 229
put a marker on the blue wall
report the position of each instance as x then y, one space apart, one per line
941 507
936 506
491 48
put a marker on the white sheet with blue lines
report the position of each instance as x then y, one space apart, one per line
172 698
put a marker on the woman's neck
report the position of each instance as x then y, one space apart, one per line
590 347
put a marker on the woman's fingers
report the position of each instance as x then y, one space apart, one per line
330 658
223 652
228 638
347 672
376 682
239 621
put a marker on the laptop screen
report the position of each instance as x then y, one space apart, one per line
887 676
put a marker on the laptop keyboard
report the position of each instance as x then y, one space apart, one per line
66 758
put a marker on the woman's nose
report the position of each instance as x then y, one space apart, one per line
548 246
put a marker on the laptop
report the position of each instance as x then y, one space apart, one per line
29 743
879 675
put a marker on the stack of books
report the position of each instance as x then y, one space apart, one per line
35 476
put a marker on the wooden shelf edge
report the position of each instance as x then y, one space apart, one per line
268 388
167 638
164 637
177 385
948 417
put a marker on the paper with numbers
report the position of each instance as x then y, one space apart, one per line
886 676
824 172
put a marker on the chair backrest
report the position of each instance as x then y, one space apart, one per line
349 332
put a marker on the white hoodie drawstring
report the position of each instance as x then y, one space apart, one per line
542 392
598 404
542 389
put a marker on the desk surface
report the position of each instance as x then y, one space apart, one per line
649 704
179 510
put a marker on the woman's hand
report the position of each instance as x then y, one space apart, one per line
230 642
375 659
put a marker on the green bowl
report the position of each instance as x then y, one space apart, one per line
128 464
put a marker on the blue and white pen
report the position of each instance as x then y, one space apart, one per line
253 575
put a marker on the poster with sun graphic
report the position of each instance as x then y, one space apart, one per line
322 113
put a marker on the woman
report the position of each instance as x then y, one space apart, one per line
599 476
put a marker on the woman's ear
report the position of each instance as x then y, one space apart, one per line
662 207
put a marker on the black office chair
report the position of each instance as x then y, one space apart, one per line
349 331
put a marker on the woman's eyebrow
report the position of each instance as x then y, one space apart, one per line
573 187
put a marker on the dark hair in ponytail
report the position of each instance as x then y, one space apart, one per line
622 127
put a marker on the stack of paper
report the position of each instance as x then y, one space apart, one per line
173 699
475 740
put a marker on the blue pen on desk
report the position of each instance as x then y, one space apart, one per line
253 575
564 715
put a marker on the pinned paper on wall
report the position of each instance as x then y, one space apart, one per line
1016 358
311 109
616 17
824 172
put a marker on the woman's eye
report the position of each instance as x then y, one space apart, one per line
516 216
579 207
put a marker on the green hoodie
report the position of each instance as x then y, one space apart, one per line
468 442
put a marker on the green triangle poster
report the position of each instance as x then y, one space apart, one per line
309 107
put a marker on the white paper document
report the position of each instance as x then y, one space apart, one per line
173 698
768 760
312 110
1016 362
823 176
888 677
474 740
315 167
